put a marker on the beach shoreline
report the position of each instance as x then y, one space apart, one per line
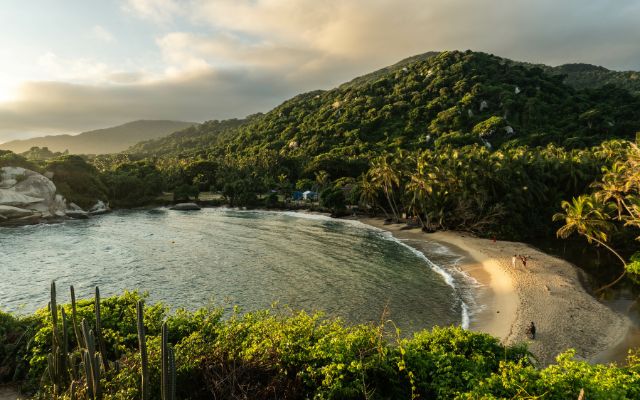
548 291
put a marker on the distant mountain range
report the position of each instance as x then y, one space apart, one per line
101 141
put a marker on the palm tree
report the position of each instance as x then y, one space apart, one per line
612 187
385 177
368 193
585 216
420 186
322 180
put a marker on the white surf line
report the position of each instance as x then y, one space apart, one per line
446 276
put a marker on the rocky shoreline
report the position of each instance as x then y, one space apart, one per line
28 197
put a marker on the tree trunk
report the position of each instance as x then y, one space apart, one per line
624 265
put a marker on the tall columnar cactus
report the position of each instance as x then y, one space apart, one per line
86 360
172 373
98 333
56 360
64 348
74 319
143 351
93 361
168 381
72 391
164 380
53 307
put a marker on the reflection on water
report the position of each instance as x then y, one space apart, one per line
248 258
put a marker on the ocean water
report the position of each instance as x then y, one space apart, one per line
224 257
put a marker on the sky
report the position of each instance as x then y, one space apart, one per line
68 66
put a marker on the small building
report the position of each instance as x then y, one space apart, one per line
310 195
297 195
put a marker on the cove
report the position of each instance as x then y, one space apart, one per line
227 257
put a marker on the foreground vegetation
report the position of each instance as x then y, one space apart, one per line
83 351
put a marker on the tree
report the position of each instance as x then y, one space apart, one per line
333 198
586 217
368 194
385 177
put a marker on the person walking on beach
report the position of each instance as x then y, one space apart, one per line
513 260
531 331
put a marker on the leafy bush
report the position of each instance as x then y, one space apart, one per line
77 180
133 183
295 355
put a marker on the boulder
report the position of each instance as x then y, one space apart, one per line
74 207
77 214
185 207
36 185
10 212
99 208
10 197
30 190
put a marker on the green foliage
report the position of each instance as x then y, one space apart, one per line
186 140
77 180
514 134
133 183
585 76
42 153
240 193
185 193
614 204
297 355
10 159
15 333
560 381
333 198
271 201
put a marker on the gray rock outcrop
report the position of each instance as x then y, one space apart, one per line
185 207
29 197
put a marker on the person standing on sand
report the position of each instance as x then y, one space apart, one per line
513 260
531 331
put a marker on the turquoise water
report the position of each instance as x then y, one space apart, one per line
228 257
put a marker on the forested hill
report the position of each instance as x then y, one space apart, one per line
100 141
194 137
585 76
428 101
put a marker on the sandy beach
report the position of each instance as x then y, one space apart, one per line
547 291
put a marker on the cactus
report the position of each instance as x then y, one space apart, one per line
74 319
172 373
164 381
53 308
143 351
64 349
56 360
98 332
72 361
87 373
93 360
72 391
168 379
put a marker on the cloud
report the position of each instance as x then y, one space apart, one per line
159 11
103 34
53 107
224 58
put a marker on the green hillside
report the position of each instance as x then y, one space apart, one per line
193 137
100 141
454 98
429 101
584 76
462 140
